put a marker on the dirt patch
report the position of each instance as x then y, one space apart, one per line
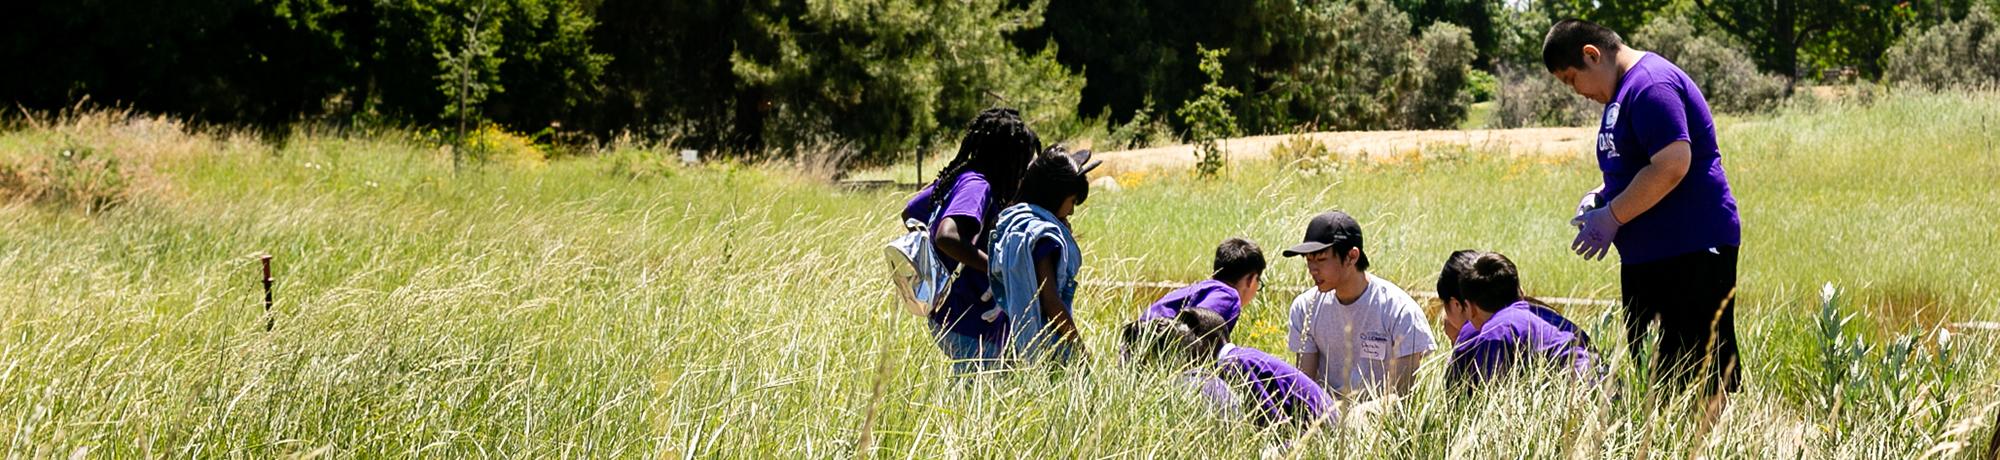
1525 141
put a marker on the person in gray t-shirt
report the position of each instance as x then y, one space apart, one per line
1355 334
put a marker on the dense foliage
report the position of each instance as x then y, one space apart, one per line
871 81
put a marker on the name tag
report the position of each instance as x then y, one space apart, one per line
1375 348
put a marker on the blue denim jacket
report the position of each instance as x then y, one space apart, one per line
1019 229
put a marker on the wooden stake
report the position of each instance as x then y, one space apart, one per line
269 320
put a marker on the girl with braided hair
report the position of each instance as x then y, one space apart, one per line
959 208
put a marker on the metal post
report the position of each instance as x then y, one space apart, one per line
269 321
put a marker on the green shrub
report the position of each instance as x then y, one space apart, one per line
1482 85
1960 54
640 164
1306 154
1142 131
1531 97
1438 70
1914 376
1367 73
1724 72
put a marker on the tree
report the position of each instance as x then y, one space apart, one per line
1479 18
1136 51
880 79
1724 73
1864 38
1623 16
672 76
1208 117
1366 72
234 61
1775 30
539 55
466 73
272 62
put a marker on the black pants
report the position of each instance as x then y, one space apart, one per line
1693 298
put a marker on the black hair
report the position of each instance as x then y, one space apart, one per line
1455 269
1052 177
1493 282
1563 47
1158 341
1191 337
1236 258
997 144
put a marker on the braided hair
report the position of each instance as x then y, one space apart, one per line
998 145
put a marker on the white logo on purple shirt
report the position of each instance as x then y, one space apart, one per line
1604 141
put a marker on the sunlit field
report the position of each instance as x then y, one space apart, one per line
619 304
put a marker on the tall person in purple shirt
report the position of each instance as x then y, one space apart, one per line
959 208
1665 205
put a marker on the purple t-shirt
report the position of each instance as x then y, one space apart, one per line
1281 392
1211 295
1656 105
1468 331
970 197
1521 331
1465 334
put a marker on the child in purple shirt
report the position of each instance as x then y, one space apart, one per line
1502 329
1237 379
1458 310
1239 271
959 208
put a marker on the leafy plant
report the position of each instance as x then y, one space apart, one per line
1141 131
1839 355
1208 117
468 73
1483 86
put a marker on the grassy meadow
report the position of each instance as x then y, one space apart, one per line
617 304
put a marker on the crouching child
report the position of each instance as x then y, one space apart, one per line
1504 331
1237 379
1239 271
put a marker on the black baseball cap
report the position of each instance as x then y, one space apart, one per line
1328 229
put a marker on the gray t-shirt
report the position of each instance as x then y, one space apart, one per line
1356 341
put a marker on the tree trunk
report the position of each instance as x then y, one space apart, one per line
747 130
1784 34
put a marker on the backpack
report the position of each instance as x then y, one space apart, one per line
914 267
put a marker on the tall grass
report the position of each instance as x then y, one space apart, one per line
614 306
